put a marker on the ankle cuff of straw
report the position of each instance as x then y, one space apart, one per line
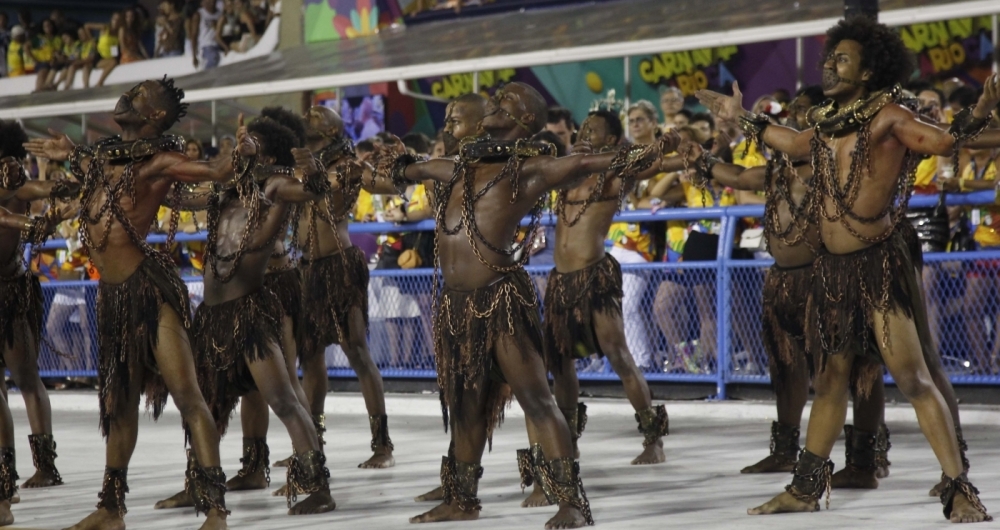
785 441
961 484
43 455
560 479
8 474
307 474
380 432
207 488
653 424
112 495
460 483
256 458
811 478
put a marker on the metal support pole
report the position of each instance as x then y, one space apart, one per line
867 8
627 65
798 63
83 128
996 43
475 82
215 138
723 304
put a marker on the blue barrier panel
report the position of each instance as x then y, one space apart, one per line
672 312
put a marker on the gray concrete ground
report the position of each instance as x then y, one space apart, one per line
698 487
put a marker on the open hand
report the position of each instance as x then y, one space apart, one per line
990 98
58 147
722 106
245 143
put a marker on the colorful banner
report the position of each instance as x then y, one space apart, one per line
962 48
347 19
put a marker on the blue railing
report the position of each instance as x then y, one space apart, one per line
671 310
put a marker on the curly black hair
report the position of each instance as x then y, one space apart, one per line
174 97
12 138
288 119
882 50
613 122
276 140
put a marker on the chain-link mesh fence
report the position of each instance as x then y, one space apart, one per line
671 316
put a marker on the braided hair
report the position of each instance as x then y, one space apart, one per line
174 96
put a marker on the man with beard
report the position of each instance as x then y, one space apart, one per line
864 302
335 287
487 328
142 308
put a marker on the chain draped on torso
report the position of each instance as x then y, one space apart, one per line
325 209
779 179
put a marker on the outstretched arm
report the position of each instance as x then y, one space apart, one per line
784 139
180 168
14 221
190 200
36 190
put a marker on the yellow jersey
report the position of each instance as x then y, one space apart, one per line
17 63
106 44
677 231
986 220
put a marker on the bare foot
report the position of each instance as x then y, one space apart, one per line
319 502
254 481
6 518
651 454
382 459
962 511
784 503
179 500
771 464
436 494
282 463
852 478
566 517
939 487
215 521
15 499
41 480
283 491
537 498
100 520
445 512
882 472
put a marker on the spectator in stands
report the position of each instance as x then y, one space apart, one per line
204 42
129 38
5 39
77 53
46 50
439 149
193 150
782 96
18 58
560 122
107 46
365 149
672 104
703 126
63 24
170 28
961 98
682 118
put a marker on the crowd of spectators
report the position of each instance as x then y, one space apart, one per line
58 48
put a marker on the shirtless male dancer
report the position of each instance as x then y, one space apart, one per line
863 148
237 330
487 328
21 315
462 118
335 289
142 306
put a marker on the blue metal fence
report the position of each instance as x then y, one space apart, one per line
672 311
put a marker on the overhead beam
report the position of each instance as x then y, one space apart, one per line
897 17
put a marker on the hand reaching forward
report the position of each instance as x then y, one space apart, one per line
58 147
722 106
990 98
245 143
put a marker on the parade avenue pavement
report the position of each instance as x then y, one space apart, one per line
699 486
